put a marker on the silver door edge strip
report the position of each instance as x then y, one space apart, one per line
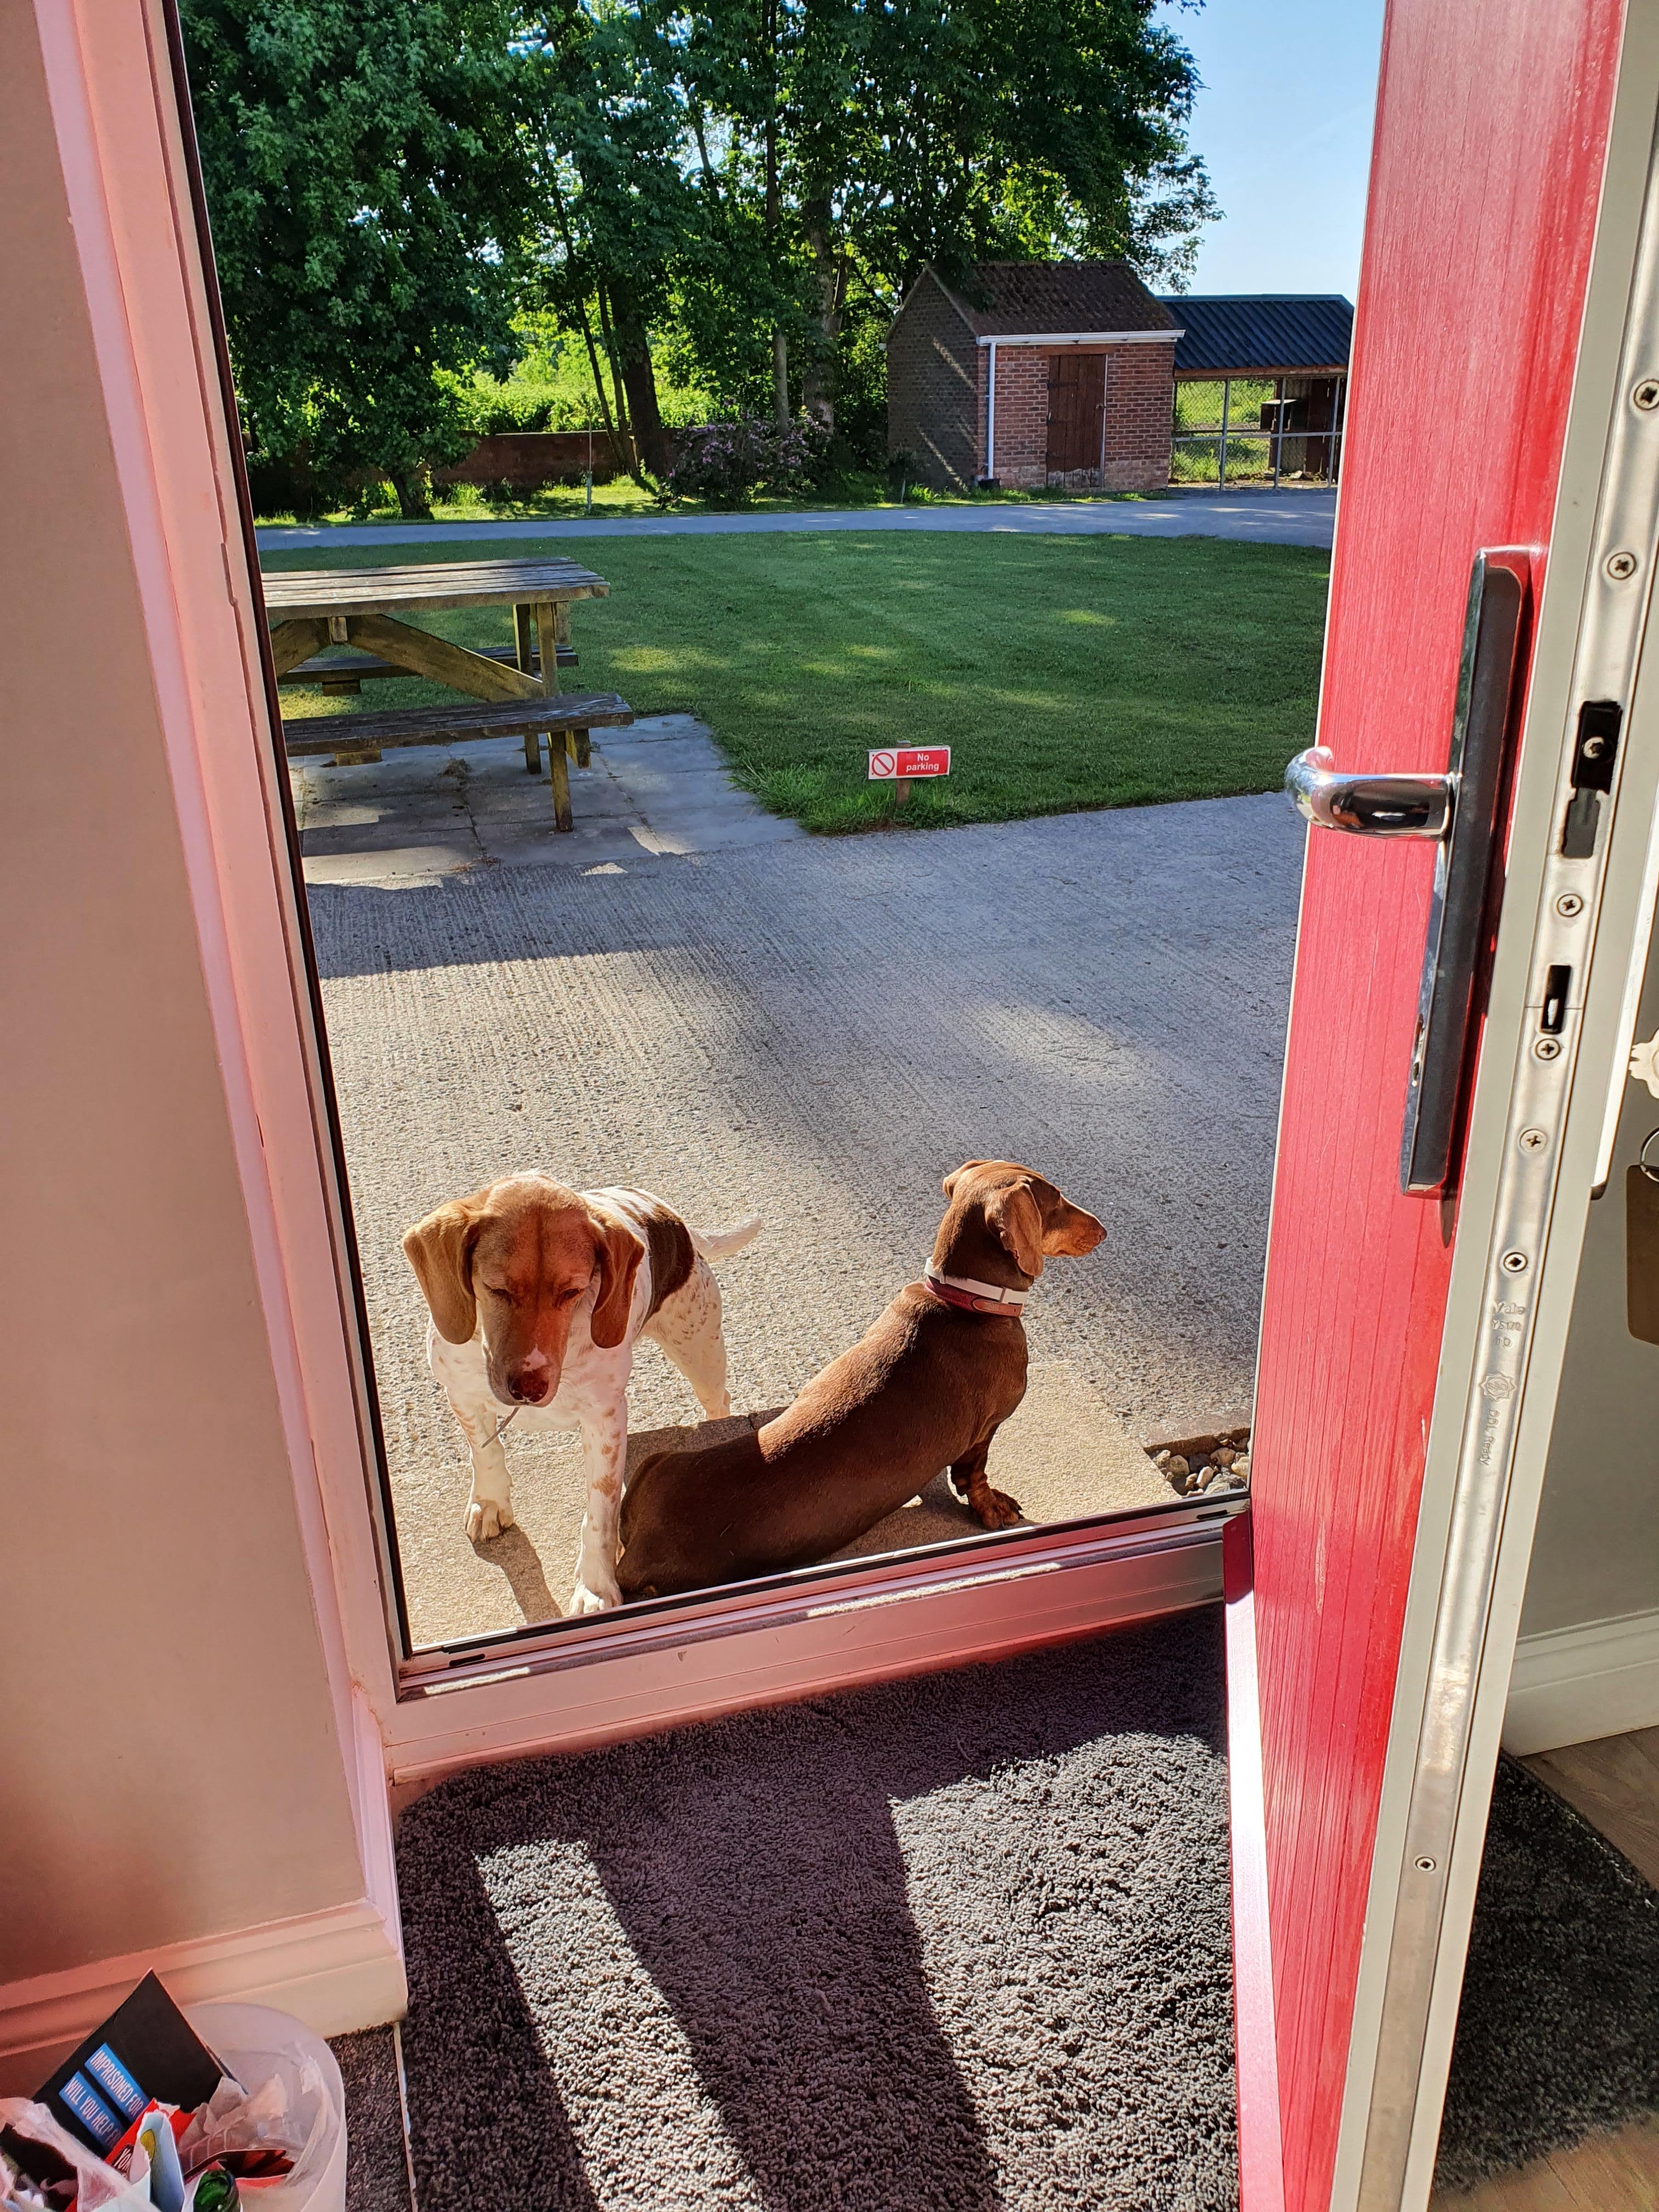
1612 618
928 1575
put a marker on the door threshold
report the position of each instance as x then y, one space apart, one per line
675 1661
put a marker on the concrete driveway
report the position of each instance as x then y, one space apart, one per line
816 1029
1284 518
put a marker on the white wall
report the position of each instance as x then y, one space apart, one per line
171 1771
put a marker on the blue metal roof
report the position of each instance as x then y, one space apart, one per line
1261 333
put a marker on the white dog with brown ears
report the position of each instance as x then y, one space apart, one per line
537 1293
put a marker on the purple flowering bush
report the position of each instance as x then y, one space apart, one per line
727 463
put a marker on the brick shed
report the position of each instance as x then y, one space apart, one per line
1033 373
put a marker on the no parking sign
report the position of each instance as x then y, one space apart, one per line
897 764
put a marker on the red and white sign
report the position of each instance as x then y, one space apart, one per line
896 761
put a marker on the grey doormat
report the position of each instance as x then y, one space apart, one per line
377 2153
955 1942
950 1944
1558 2034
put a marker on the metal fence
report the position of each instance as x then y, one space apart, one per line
1251 432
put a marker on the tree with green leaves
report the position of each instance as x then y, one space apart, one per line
870 138
749 185
370 168
616 208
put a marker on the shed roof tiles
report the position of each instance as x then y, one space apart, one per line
1032 299
1262 333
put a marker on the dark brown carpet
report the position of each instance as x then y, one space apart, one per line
943 1946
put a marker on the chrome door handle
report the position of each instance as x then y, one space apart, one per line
1369 806
1462 812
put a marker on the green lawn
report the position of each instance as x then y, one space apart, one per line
1063 671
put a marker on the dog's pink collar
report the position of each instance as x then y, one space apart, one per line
974 1297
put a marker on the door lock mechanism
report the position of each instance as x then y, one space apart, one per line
1461 813
1369 806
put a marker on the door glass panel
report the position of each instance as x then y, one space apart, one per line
660 1002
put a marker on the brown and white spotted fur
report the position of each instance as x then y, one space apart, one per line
537 1294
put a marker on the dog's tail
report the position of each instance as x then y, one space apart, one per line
721 1243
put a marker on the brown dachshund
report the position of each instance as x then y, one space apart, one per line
927 1387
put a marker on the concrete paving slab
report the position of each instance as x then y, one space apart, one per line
431 812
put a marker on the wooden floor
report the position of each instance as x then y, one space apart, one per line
1615 1783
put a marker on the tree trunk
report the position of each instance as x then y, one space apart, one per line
639 377
818 383
618 457
413 492
629 442
775 211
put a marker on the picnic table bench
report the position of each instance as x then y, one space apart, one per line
570 716
311 610
349 672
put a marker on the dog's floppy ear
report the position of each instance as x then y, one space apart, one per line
948 1185
1071 1229
440 1250
618 1253
1015 1215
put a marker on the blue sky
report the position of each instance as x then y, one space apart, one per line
1283 122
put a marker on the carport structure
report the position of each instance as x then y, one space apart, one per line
1298 346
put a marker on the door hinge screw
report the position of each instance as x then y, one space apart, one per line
1646 394
1568 906
1424 1865
1514 1263
1621 566
1532 1140
1548 1048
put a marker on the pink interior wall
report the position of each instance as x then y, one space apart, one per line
172 1761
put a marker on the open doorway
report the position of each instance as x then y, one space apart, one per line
566 807
1575 1811
694 996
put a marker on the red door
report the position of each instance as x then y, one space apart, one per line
1077 412
1492 129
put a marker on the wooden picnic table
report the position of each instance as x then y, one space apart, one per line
311 609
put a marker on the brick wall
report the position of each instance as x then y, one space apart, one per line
530 458
1140 401
1021 458
1139 411
935 391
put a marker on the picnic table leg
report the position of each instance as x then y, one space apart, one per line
558 769
547 641
559 756
577 743
524 641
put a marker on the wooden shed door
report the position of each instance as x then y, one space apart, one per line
1077 412
1492 128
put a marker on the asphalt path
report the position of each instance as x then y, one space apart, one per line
1265 518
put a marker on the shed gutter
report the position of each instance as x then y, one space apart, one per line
1214 373
1082 337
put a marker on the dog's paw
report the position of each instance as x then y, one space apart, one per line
487 1517
584 1600
996 1510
